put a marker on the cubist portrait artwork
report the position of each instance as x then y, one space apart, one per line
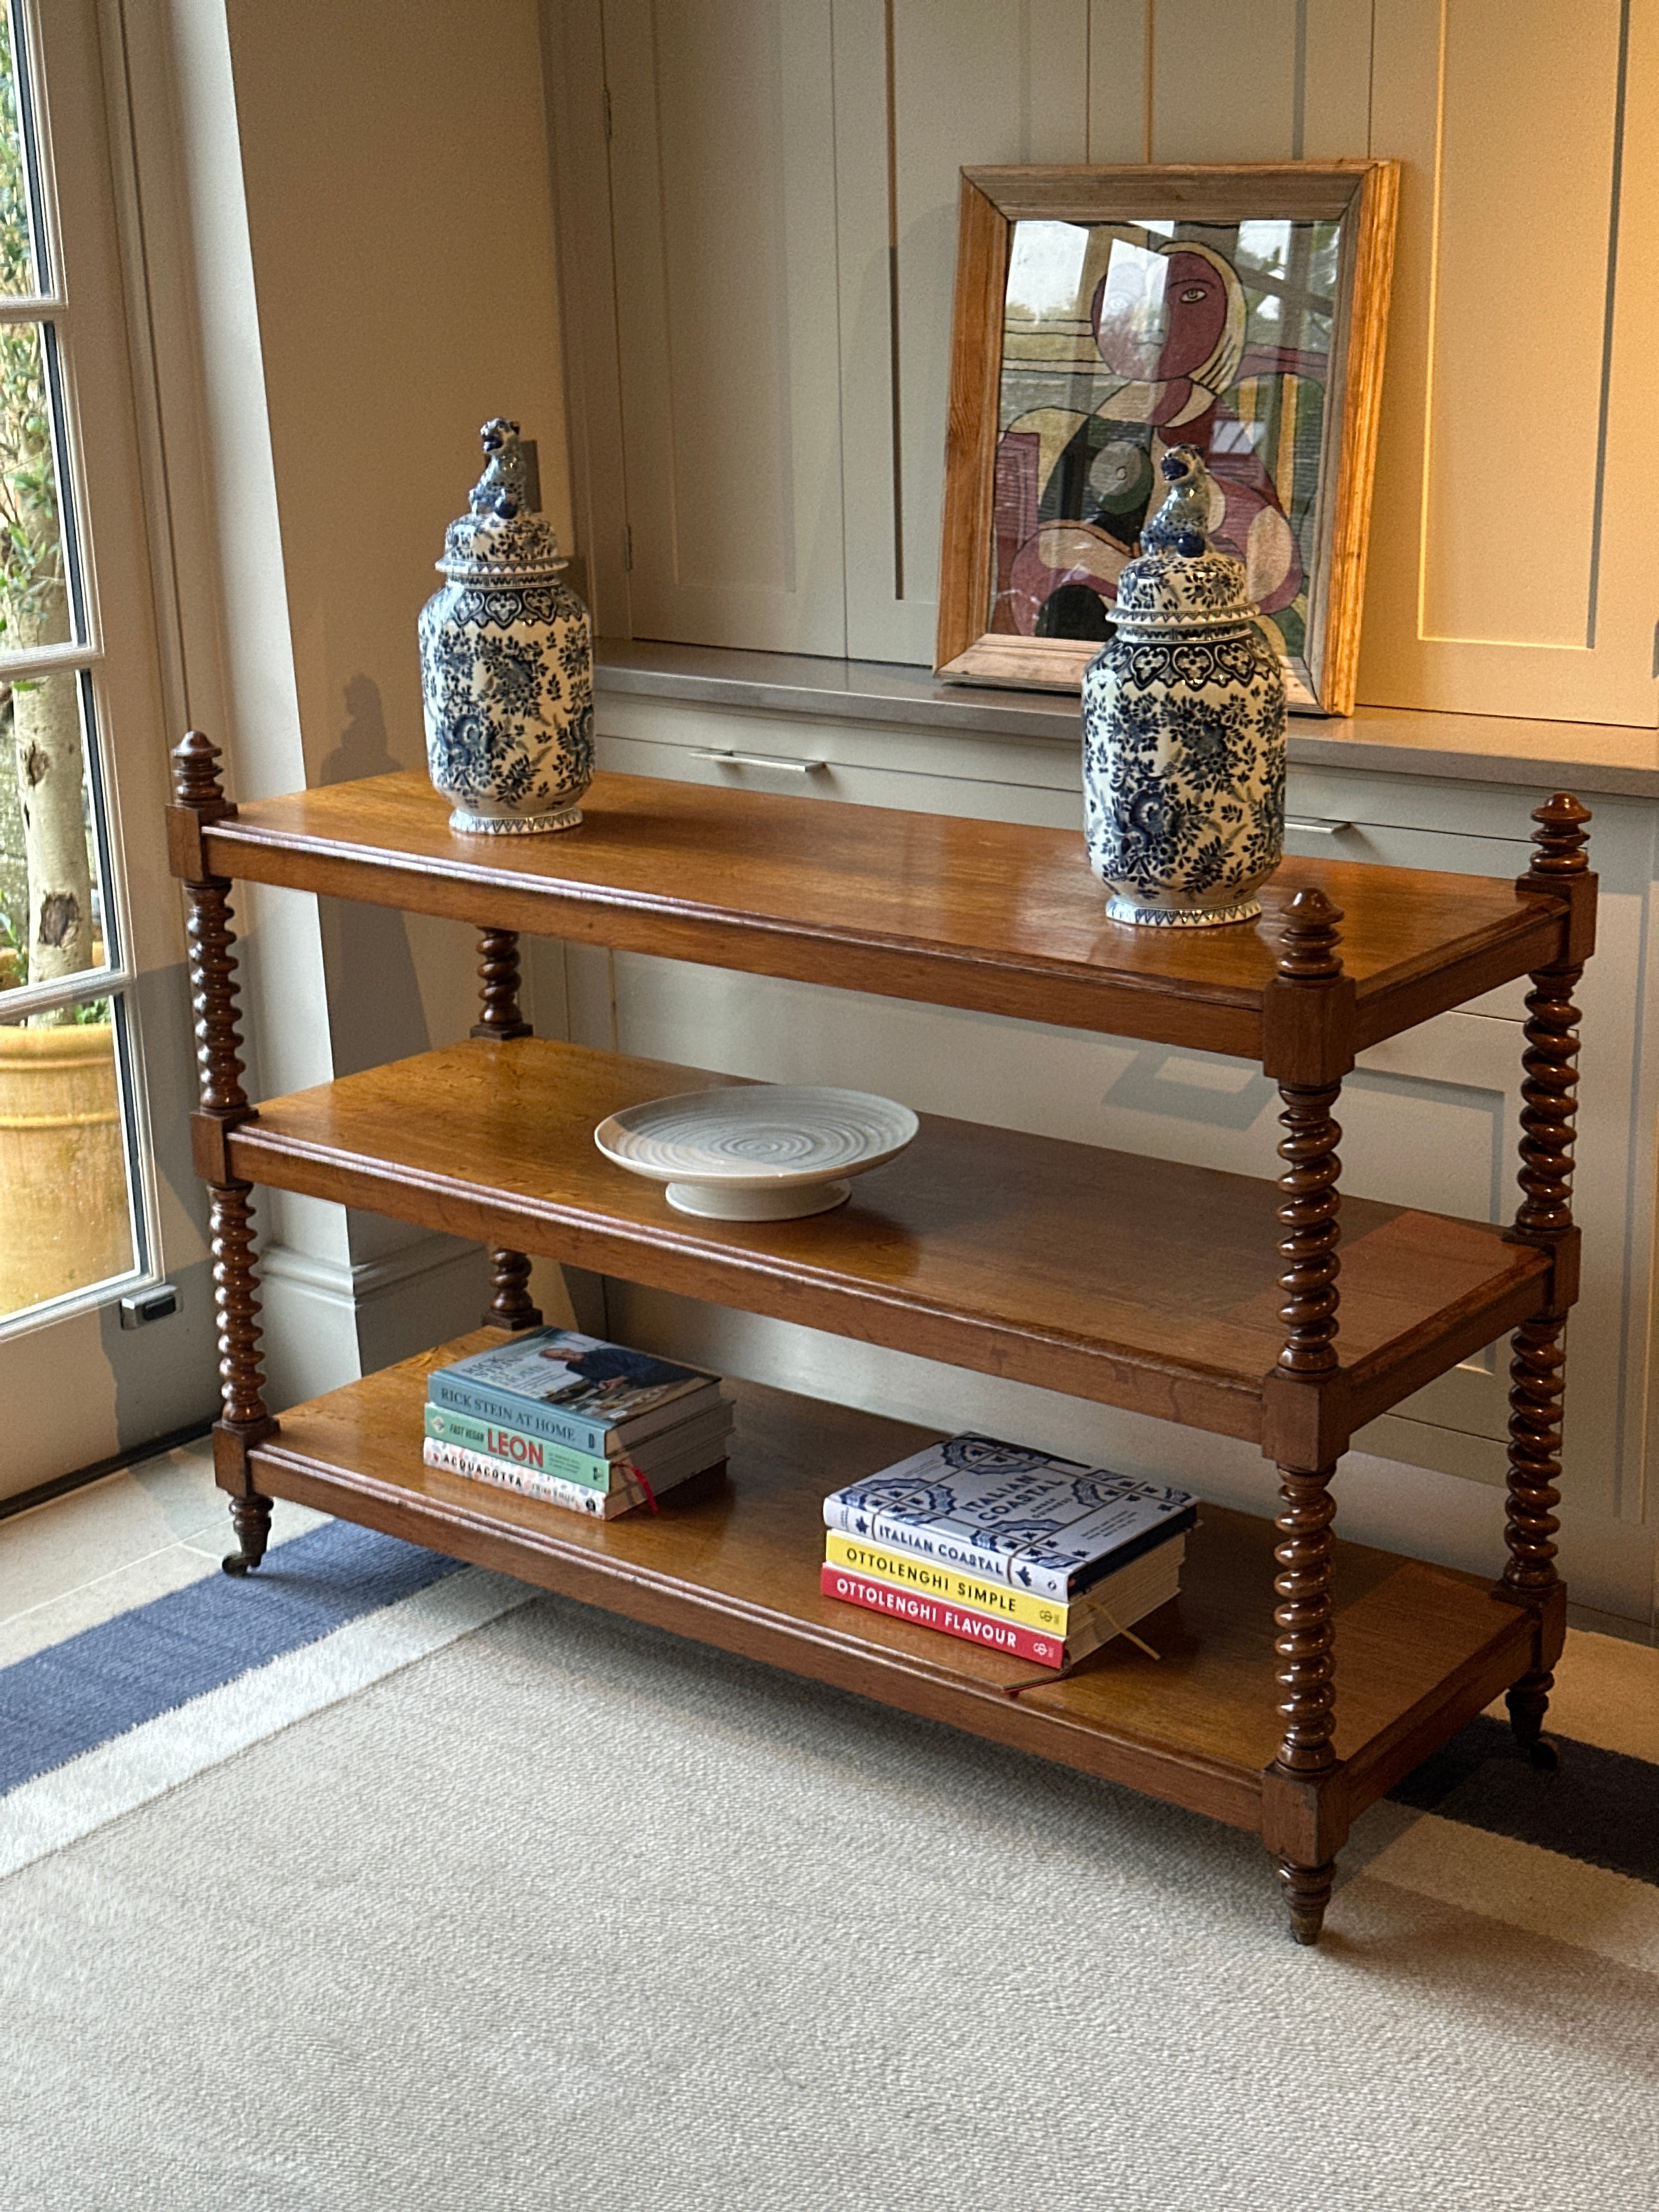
1121 340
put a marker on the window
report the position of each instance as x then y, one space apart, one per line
69 1224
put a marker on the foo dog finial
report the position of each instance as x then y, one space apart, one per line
503 489
1186 512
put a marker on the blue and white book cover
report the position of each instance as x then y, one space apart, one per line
1051 1526
576 1389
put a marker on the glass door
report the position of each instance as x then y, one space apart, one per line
81 733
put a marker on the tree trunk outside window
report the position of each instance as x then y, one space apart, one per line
47 749
54 934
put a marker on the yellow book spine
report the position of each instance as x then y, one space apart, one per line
996 1599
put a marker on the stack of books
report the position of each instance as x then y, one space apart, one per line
576 1421
1045 1558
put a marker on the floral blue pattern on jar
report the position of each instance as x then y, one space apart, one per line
507 662
1183 729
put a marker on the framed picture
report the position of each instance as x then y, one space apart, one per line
1104 315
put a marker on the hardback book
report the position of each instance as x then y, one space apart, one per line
977 1592
1007 1515
600 1399
1123 1599
705 1432
553 1490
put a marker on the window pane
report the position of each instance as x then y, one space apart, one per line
65 1222
19 270
35 583
50 901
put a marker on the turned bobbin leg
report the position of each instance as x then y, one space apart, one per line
244 1422
1535 1389
511 1306
498 986
1549 1094
1296 1782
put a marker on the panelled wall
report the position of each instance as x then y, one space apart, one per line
759 256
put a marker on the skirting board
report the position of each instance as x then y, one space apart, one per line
327 1322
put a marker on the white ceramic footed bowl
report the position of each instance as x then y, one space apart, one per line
766 1151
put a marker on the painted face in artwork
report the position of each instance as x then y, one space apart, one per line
1157 316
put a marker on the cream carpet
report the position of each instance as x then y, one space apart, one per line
560 1912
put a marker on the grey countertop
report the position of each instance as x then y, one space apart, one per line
1611 758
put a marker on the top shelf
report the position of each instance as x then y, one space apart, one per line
990 915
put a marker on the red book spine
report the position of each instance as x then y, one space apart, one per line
1009 1636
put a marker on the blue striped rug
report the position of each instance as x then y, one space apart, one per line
108 1718
63 1701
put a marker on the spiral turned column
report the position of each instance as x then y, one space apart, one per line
1308 1213
244 1420
242 1366
510 1306
498 986
1549 1104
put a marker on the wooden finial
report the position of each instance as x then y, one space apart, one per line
1558 842
196 770
1309 943
196 781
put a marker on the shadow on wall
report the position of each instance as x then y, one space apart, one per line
374 1005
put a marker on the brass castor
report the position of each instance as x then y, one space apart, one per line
250 1520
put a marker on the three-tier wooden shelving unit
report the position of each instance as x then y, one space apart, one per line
1304 1676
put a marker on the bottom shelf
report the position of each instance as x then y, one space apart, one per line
734 1561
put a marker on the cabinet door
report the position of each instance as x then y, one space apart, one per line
1512 568
1258 81
921 90
723 204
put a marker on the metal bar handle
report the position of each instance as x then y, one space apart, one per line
729 759
1311 825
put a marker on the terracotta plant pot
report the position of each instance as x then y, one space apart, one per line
64 1219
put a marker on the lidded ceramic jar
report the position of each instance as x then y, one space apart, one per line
507 662
1183 729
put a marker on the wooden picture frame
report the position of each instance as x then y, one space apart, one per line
1303 250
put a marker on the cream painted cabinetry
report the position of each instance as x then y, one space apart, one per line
1511 556
758 262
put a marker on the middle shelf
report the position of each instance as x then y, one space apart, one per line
1138 1283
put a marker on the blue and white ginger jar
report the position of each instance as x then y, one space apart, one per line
507 662
1183 729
